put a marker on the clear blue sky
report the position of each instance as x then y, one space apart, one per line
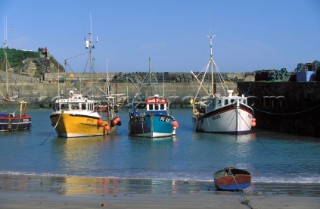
250 34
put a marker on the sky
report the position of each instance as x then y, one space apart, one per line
250 35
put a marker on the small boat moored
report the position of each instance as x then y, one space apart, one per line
232 179
15 122
79 116
154 121
219 113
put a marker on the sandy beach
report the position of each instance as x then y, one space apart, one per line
19 191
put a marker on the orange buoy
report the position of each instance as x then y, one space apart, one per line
115 121
253 120
253 124
106 127
99 122
175 124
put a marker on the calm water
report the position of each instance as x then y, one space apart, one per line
269 156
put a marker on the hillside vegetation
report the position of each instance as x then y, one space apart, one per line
30 63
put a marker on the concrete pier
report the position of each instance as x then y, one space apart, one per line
291 107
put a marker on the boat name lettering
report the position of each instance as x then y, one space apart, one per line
216 117
156 100
165 119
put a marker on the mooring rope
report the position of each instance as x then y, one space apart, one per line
245 200
53 128
292 113
58 120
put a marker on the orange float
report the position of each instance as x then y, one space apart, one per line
175 124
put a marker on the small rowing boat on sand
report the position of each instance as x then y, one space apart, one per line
232 179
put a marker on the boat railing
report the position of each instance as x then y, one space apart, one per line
156 112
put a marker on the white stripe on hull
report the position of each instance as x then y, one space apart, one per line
155 135
231 121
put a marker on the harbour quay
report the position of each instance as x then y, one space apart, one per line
290 106
180 88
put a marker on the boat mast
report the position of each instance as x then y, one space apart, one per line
149 71
89 44
7 71
211 66
5 46
107 78
59 83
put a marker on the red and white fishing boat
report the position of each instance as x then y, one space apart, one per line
220 114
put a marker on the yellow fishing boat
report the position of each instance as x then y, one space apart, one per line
79 116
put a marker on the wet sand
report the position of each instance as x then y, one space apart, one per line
23 191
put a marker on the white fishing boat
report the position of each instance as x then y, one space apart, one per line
214 113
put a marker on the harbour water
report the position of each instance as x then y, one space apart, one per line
271 157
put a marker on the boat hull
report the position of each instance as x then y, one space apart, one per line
15 123
151 126
236 179
229 119
79 125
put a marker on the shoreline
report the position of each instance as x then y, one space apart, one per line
23 191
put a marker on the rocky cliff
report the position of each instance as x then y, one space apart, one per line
29 63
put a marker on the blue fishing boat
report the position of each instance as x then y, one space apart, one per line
154 120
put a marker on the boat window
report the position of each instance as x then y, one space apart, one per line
83 106
74 106
232 101
56 107
226 102
156 107
219 103
162 106
151 107
64 107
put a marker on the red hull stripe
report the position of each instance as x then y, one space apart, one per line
238 179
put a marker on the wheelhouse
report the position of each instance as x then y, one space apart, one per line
76 102
157 104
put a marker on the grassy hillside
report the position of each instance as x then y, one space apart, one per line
29 62
16 57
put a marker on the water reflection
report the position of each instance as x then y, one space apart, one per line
81 155
246 138
239 138
115 186
75 185
173 138
105 186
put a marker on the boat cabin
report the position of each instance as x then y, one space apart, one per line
225 101
76 102
216 102
156 104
